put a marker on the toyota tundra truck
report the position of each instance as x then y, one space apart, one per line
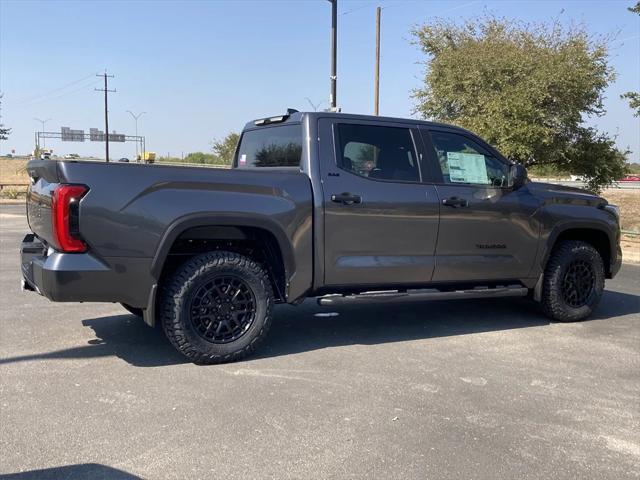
344 208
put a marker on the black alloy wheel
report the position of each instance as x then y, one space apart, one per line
578 283
222 309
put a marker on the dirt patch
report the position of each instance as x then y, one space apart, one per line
13 179
13 171
629 203
630 249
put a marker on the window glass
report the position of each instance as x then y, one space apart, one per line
464 161
279 146
384 153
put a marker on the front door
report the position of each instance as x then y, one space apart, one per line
380 220
486 228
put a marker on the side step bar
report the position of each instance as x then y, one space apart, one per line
421 295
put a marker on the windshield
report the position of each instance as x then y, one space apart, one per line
279 146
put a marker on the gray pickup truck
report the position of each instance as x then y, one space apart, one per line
345 208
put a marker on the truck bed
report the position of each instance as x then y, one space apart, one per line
132 210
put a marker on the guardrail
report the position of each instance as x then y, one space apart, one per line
579 184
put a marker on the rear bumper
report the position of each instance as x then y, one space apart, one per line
82 277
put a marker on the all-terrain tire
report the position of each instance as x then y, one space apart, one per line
133 310
187 283
564 298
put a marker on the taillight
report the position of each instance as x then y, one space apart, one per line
65 217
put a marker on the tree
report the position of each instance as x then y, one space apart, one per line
200 158
4 132
224 149
525 88
634 101
274 155
633 97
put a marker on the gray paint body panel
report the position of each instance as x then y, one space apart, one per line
399 236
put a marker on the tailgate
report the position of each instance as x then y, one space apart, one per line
44 179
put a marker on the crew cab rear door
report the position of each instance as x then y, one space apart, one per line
486 227
380 220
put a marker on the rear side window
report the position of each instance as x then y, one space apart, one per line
383 153
279 146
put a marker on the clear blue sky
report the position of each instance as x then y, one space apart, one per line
203 68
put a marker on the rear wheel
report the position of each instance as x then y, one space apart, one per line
217 307
573 282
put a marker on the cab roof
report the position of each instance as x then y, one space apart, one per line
297 117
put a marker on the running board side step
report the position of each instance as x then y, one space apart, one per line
420 295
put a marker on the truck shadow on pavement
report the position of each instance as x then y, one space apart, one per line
93 471
125 336
298 329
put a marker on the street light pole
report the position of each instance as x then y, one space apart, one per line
44 142
136 117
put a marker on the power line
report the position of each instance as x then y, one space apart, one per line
403 3
354 10
55 90
44 100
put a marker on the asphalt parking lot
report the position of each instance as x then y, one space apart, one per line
475 389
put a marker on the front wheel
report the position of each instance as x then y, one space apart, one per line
217 307
573 282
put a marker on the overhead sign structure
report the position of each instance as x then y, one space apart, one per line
116 137
96 135
69 135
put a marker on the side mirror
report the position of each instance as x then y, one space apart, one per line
518 176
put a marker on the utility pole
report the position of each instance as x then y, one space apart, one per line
334 55
376 94
136 117
106 110
44 141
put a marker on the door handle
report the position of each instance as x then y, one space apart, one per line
346 198
455 202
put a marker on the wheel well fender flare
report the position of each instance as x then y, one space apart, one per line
561 228
180 225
